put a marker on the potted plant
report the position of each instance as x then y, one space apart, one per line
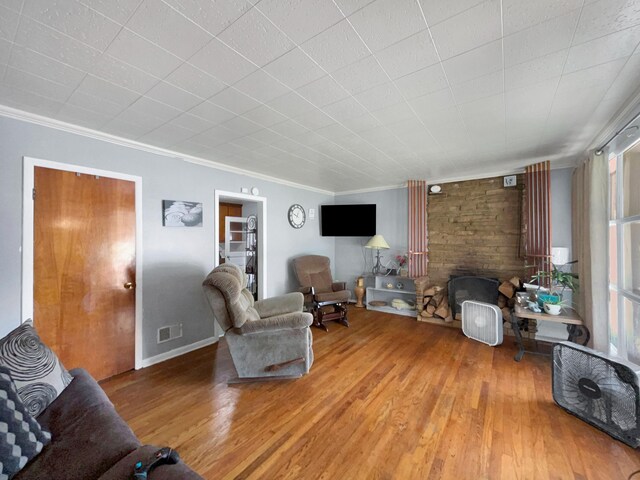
560 280
553 305
401 260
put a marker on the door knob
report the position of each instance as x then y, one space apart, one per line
129 285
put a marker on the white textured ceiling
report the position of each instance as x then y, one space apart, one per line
337 95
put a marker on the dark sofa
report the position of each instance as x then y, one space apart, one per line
91 441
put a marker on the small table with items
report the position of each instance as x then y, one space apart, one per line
575 326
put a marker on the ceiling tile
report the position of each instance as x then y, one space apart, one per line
301 19
31 83
364 122
433 102
323 91
385 22
470 29
295 69
44 40
408 55
76 115
97 104
192 122
45 67
234 100
212 16
122 74
606 16
485 110
288 128
212 113
145 122
195 81
542 39
423 81
314 119
8 23
216 136
601 75
291 105
604 49
265 116
162 25
14 5
475 63
125 128
98 87
166 135
349 6
336 47
117 10
345 109
29 102
75 20
255 37
135 50
536 70
479 87
261 86
242 126
360 76
154 108
394 113
176 97
436 11
5 51
521 14
222 62
379 97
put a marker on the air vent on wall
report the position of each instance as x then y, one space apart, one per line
169 332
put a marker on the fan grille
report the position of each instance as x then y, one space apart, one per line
482 322
612 404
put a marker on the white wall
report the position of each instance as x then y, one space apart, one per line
176 260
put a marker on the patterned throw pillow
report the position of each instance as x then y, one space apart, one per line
21 437
38 374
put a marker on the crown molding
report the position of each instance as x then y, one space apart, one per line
16 114
623 116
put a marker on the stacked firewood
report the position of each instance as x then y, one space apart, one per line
432 301
506 302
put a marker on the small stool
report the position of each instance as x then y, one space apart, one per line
336 311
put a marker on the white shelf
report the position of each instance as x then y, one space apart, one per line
393 290
394 311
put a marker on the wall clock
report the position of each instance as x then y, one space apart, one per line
297 216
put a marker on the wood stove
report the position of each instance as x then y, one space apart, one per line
468 287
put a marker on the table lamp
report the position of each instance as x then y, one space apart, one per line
378 242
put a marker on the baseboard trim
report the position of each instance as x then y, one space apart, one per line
176 352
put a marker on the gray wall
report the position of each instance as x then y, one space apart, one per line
175 260
561 208
351 258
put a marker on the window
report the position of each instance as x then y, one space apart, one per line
624 254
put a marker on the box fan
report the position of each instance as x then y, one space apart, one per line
599 389
482 322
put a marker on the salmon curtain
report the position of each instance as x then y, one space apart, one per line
418 259
538 214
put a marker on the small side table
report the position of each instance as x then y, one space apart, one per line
575 326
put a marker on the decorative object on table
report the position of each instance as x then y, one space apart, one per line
482 322
400 304
297 216
359 291
388 285
598 389
401 260
178 213
378 243
377 303
400 286
533 306
558 279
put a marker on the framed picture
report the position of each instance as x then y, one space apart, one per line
178 213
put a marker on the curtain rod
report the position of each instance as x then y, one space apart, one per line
601 149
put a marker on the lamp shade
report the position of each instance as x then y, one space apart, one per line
378 242
559 255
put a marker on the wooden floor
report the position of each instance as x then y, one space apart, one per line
386 398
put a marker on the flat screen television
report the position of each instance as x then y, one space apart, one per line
355 220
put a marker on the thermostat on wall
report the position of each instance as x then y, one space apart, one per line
510 181
312 213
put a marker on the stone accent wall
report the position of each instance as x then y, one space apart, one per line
475 229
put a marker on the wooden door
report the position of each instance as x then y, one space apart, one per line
224 210
84 269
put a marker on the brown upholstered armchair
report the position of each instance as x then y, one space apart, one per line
267 338
326 299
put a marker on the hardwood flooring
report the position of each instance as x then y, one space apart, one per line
388 397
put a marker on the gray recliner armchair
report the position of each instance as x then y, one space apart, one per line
267 338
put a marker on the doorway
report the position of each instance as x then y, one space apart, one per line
251 205
82 264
